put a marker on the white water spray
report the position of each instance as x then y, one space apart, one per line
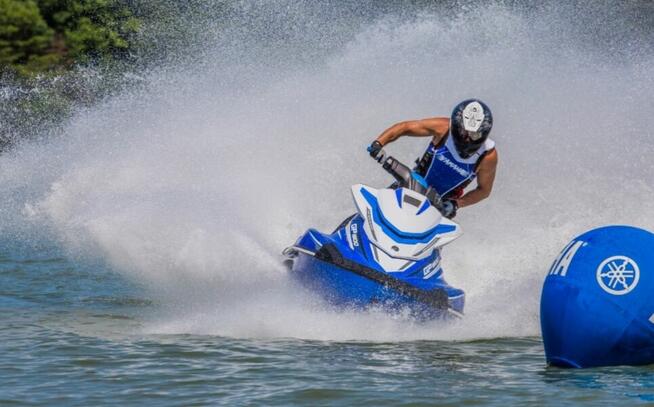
194 185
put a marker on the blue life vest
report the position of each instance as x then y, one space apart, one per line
447 170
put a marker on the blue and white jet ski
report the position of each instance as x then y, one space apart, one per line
388 254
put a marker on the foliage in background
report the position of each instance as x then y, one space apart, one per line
46 36
57 56
25 37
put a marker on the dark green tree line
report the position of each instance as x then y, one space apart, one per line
39 36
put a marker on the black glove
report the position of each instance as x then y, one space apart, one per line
449 208
376 151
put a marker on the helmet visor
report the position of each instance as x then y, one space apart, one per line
470 137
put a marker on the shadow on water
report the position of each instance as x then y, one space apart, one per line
629 381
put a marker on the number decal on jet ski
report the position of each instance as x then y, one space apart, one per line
355 238
431 269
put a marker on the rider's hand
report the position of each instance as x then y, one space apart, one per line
376 151
449 208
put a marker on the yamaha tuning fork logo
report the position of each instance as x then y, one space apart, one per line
618 275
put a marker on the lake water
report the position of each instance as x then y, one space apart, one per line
71 335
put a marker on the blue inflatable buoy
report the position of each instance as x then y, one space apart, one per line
597 305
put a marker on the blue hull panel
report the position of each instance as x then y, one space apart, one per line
345 288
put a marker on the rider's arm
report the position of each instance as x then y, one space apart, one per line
435 127
485 180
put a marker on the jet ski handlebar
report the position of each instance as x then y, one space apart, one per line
406 178
399 171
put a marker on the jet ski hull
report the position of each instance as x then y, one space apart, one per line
351 286
386 255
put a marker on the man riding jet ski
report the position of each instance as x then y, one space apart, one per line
388 253
459 152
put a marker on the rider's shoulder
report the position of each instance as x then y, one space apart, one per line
489 145
489 158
